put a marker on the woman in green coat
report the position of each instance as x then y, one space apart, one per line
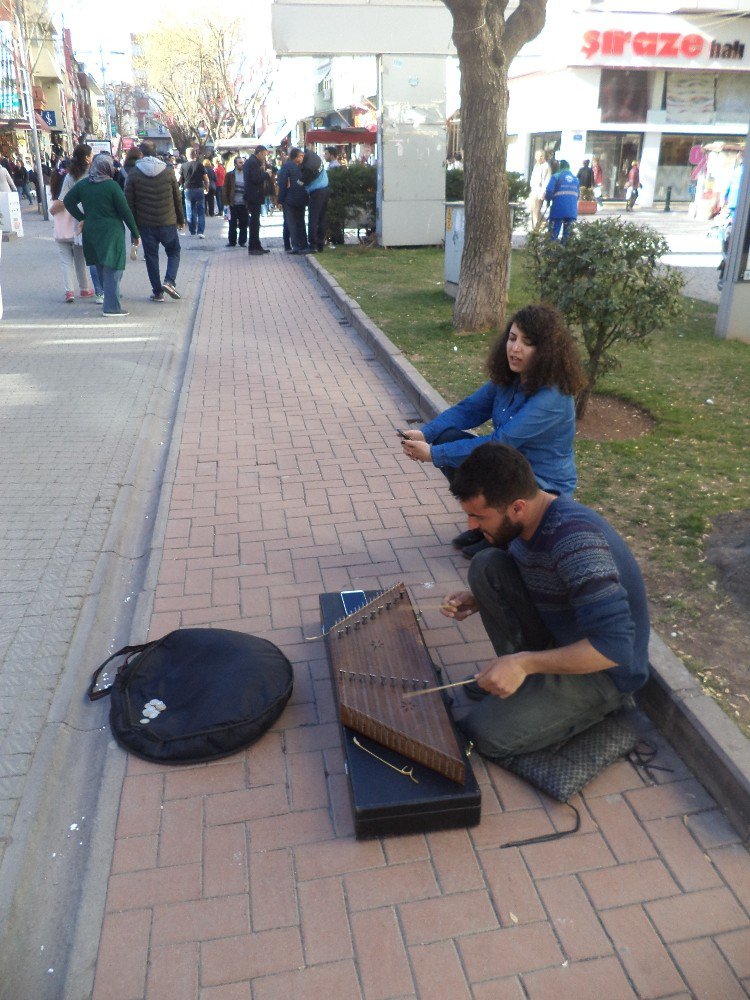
104 212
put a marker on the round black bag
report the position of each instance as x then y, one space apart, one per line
196 694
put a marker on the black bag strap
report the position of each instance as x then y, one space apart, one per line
95 695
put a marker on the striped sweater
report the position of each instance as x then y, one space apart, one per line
585 583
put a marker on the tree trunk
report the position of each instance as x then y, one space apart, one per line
486 43
480 304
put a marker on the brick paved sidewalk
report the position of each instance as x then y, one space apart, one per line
242 878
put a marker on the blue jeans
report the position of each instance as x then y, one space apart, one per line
94 272
219 200
110 282
152 238
554 228
197 219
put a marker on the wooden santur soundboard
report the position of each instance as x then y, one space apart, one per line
377 655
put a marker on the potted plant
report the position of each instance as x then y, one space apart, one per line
587 201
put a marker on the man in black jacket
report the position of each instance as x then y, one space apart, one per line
255 176
154 198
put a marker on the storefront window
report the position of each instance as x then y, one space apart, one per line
675 170
615 152
623 95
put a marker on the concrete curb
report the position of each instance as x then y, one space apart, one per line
716 750
61 904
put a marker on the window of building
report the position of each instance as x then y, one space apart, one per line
623 95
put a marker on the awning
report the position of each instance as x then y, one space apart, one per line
342 136
273 135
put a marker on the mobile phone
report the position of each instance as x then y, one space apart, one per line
353 600
401 434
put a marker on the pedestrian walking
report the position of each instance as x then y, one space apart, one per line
195 186
538 182
293 199
221 173
255 193
234 193
154 198
21 180
6 180
562 192
102 212
634 185
211 192
598 180
68 241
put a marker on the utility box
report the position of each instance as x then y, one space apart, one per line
454 246
411 150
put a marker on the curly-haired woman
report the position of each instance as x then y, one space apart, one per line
535 372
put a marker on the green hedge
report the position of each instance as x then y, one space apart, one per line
352 198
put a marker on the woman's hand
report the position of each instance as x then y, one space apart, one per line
417 451
413 435
459 605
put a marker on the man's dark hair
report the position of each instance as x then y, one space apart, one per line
564 165
148 148
497 472
260 149
294 152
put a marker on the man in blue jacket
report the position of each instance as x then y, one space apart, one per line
562 192
563 602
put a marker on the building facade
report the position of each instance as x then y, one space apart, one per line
632 85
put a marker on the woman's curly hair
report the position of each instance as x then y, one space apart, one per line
556 360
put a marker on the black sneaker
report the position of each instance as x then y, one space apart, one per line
470 537
170 290
469 551
257 253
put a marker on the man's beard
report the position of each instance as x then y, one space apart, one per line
505 533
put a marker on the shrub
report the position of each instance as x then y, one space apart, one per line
352 199
608 283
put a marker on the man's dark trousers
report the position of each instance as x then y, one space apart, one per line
317 218
237 218
294 217
253 225
153 237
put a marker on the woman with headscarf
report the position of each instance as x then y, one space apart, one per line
104 210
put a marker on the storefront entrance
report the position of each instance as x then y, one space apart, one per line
616 151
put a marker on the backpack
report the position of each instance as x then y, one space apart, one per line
194 695
312 166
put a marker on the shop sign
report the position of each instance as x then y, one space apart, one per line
49 117
659 44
